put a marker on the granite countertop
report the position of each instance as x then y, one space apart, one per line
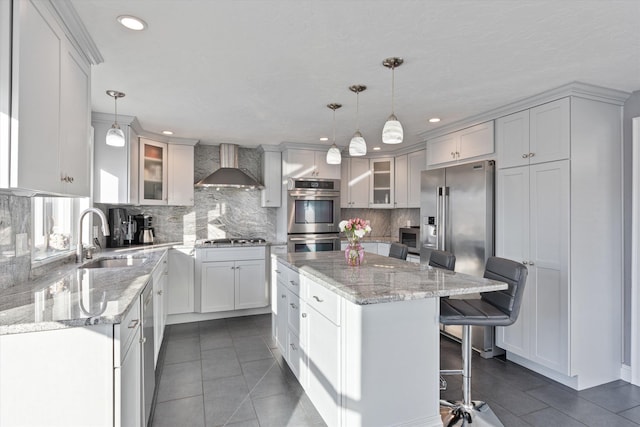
383 279
71 296
200 245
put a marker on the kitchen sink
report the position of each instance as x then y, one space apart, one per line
113 262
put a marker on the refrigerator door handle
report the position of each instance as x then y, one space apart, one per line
438 217
445 215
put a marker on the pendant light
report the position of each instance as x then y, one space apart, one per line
392 132
333 155
115 135
357 146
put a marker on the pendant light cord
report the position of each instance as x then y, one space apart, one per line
334 126
358 111
393 89
115 100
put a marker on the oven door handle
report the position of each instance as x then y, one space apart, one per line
307 239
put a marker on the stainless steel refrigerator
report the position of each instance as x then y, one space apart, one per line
456 211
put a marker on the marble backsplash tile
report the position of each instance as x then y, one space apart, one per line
384 222
15 218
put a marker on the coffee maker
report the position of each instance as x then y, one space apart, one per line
144 233
123 228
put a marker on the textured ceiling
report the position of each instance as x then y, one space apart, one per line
261 72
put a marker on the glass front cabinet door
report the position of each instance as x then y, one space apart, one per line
153 167
382 183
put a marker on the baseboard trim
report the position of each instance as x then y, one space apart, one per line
625 373
174 319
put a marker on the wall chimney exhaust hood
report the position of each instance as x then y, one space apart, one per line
229 175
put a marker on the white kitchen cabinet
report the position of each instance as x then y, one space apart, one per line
153 172
159 279
115 169
308 163
468 143
231 279
180 287
382 181
383 249
537 135
407 179
50 107
270 196
129 406
180 175
354 183
545 217
413 258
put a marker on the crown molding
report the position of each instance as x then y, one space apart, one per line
578 89
76 31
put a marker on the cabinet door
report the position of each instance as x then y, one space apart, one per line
131 387
321 343
401 181
75 105
323 169
36 100
382 183
251 288
218 286
180 175
181 281
512 242
442 149
417 163
299 163
153 172
345 197
383 249
550 132
281 304
359 177
271 179
475 141
512 140
549 237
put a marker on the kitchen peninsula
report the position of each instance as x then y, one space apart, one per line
364 341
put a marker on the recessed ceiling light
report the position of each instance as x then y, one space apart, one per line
434 120
132 23
324 138
377 148
167 132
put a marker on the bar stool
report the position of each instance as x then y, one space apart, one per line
398 250
499 308
442 259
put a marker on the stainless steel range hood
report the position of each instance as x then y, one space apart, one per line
229 175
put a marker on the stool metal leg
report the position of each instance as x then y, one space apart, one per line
468 412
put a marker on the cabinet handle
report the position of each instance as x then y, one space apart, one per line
283 296
530 262
143 340
453 154
159 292
133 324
295 307
532 154
525 263
277 271
318 299
304 315
524 156
293 283
293 347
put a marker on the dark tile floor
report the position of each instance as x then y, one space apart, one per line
229 373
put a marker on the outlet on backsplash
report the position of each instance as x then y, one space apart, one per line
22 244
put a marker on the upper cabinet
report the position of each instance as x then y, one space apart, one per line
271 179
540 134
50 140
153 172
308 164
115 169
381 194
407 179
180 175
354 183
469 143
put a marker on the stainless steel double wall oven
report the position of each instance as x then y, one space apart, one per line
313 214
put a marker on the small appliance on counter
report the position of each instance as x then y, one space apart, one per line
144 229
118 224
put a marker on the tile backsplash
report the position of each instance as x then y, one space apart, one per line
15 260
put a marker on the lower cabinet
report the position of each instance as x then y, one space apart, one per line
179 288
128 396
159 275
231 279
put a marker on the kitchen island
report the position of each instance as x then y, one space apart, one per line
364 341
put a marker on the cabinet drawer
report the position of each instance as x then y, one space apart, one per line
293 313
232 254
129 327
294 355
323 300
293 281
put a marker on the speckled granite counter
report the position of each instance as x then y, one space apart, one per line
71 296
383 279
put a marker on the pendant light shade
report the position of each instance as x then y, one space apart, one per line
115 135
333 155
357 146
392 133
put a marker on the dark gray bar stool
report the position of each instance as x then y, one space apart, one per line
442 259
398 250
499 308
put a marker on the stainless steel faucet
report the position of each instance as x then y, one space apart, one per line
105 229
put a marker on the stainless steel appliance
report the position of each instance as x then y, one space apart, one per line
313 215
410 236
144 227
456 212
148 368
118 227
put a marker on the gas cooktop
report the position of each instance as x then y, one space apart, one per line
232 241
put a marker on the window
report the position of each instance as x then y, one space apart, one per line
54 223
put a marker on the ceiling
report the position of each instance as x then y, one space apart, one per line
254 72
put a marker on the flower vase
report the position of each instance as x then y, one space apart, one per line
354 254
